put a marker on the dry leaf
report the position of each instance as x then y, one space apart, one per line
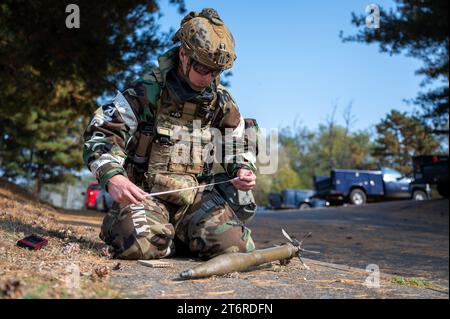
11 289
70 248
100 273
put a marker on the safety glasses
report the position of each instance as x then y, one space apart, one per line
203 69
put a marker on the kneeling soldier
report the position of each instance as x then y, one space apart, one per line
133 148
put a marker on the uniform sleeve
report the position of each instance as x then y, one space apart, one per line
235 151
112 129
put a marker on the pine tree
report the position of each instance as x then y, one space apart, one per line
418 28
51 76
400 137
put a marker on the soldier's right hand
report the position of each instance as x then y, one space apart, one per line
123 191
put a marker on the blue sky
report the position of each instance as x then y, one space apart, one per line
292 65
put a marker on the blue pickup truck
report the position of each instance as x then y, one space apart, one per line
359 186
295 199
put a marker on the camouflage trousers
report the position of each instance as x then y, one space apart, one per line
208 227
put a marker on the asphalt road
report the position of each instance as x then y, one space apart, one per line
405 238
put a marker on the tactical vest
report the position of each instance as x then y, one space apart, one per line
173 148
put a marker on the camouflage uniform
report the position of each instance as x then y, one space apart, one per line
132 135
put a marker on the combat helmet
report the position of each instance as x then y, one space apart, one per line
206 39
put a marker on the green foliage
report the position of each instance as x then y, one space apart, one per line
400 137
286 178
51 76
304 153
331 146
46 147
415 282
262 189
419 28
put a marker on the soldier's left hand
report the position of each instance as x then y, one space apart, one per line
246 181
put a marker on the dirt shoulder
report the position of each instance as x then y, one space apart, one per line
72 265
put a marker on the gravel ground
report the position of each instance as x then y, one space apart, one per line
404 238
322 280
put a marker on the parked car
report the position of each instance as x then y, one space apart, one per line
90 196
295 199
358 186
97 198
432 169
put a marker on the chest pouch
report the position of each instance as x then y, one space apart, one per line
160 182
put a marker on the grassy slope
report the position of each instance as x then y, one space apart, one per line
52 271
